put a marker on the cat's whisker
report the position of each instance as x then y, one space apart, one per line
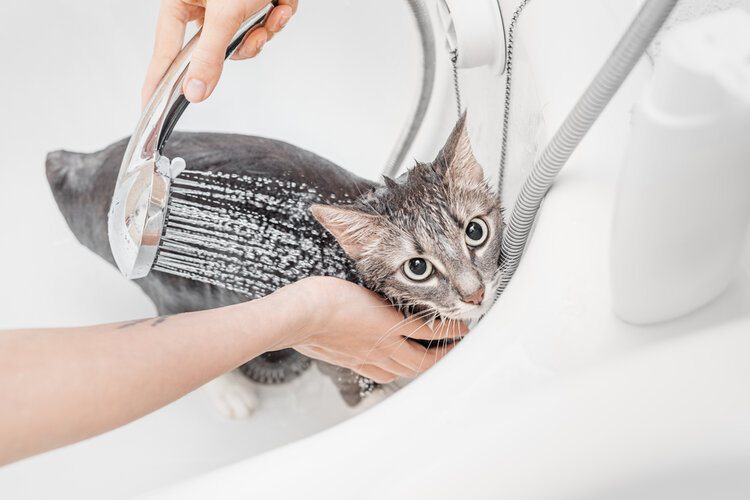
402 323
419 316
399 343
454 328
384 306
451 329
443 325
434 335
404 339
422 317
405 322
442 345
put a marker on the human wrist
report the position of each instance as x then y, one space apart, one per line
292 314
287 318
305 304
315 303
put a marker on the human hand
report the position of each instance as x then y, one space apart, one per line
350 326
220 20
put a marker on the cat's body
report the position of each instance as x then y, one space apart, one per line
83 184
429 217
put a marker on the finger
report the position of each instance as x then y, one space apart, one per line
278 18
441 330
393 366
170 33
252 45
254 42
377 374
290 3
413 327
221 22
388 340
329 356
449 329
418 358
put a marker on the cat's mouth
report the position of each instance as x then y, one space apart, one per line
437 343
468 313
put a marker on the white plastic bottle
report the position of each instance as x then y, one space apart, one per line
683 204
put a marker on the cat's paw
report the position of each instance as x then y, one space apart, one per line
234 395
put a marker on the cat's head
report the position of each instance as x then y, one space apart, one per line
429 239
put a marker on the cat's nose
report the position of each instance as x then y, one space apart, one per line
476 297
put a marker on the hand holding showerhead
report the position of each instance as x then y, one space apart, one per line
220 20
139 204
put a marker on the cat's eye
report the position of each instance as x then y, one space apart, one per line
476 232
418 269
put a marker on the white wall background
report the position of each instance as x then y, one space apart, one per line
688 10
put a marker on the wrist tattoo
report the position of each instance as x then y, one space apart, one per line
154 322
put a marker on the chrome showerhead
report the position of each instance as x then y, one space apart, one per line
139 204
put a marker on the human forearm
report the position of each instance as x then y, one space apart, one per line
97 378
58 386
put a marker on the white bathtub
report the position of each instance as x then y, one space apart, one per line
550 396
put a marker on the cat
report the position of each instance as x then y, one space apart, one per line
428 240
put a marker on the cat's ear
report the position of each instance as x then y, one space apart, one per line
461 164
389 182
354 230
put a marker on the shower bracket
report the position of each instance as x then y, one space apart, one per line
475 30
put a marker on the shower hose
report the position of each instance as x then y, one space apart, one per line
427 43
608 80
576 125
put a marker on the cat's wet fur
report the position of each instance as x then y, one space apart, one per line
432 201
424 213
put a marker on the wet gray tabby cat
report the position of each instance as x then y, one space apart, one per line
429 240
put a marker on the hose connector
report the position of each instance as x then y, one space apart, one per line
475 29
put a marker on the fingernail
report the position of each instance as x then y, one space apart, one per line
284 19
195 90
260 44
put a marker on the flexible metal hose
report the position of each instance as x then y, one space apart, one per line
509 54
429 62
620 63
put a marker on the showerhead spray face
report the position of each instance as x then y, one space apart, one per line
139 204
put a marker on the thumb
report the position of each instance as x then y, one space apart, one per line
222 21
